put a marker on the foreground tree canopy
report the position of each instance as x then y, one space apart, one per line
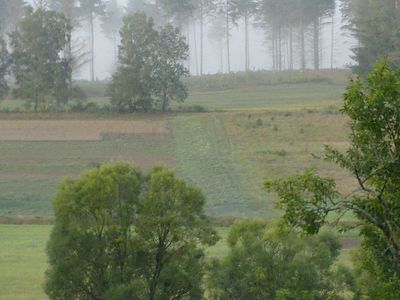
274 262
373 158
121 235
150 66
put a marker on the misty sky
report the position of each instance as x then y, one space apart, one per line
260 57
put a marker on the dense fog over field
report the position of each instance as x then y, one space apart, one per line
215 60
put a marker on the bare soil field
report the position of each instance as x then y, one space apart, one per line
75 130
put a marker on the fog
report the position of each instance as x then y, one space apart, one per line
215 61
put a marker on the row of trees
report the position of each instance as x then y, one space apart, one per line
41 61
285 23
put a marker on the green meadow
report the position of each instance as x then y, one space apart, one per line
244 136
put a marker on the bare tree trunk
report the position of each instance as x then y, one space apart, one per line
188 41
291 48
221 48
280 48
316 43
246 44
332 39
201 38
195 49
91 47
227 37
302 45
273 49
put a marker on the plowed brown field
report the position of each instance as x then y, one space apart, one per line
75 130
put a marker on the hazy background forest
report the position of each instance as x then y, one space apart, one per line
214 42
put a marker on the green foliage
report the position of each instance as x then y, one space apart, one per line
150 66
272 262
169 70
372 158
42 74
121 235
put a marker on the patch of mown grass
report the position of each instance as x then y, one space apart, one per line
23 261
205 156
277 97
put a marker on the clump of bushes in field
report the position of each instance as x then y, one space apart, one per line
119 234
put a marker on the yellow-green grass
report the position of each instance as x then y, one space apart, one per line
22 261
271 97
276 97
227 154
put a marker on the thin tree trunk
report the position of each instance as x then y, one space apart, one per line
92 47
221 48
332 39
201 38
227 37
316 43
188 41
246 43
280 49
302 45
291 48
195 49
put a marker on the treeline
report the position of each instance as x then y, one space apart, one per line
293 28
39 61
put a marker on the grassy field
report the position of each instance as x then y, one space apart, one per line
246 135
271 130
228 154
23 261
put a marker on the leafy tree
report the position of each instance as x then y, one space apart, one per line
131 86
272 262
372 158
168 72
171 225
41 72
119 235
89 10
4 66
150 66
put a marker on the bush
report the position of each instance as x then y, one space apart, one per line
273 262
